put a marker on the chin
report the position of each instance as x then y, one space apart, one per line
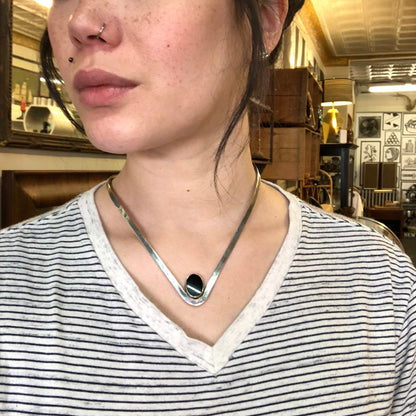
107 140
115 133
115 140
109 145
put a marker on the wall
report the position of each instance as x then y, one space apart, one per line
396 136
366 102
18 159
303 47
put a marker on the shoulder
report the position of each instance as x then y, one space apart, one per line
336 236
53 221
339 228
42 238
342 246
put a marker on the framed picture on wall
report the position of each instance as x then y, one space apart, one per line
369 126
409 176
370 151
391 154
392 121
392 138
409 153
408 146
409 124
409 162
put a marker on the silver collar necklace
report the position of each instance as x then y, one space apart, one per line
194 293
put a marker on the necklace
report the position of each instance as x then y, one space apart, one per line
194 292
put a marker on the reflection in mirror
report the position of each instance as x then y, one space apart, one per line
32 109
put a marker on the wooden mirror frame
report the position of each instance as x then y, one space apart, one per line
17 138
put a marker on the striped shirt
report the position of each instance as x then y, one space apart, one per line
331 330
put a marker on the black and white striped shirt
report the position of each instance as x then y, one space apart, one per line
331 330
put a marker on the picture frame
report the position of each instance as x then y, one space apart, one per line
392 121
369 126
370 151
392 138
408 161
409 146
409 176
391 153
409 124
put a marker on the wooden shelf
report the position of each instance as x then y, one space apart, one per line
295 153
296 98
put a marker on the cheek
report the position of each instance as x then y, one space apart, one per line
182 39
173 44
58 36
191 56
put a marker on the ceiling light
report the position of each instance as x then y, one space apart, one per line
335 103
393 88
46 3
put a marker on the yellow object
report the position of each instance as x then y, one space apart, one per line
325 131
331 123
334 121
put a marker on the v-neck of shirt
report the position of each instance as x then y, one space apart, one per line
210 358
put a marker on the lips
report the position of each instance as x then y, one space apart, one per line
97 88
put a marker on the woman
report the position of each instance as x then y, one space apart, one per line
109 305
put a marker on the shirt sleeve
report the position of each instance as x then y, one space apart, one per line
404 402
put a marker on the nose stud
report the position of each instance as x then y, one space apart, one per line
98 36
100 32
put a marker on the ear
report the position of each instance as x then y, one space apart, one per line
273 15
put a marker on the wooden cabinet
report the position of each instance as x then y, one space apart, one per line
296 97
295 153
292 151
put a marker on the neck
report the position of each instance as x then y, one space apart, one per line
190 188
158 186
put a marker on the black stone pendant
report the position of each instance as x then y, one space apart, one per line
194 286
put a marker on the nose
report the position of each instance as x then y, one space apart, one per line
91 25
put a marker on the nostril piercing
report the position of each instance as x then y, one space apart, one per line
100 32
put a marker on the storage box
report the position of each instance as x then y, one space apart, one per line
296 98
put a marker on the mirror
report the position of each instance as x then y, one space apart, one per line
28 117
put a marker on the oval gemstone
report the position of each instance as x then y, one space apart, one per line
194 286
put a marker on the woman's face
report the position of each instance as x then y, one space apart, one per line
162 73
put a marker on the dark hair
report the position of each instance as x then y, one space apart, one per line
258 72
52 76
257 78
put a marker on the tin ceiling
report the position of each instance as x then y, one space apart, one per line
377 36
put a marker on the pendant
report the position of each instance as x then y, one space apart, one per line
194 286
194 293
